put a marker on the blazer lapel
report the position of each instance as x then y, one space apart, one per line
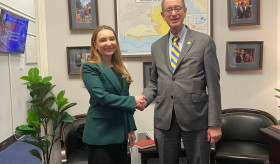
111 77
189 39
165 49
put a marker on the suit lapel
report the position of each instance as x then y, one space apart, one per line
165 50
188 41
111 77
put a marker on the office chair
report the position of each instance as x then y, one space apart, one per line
73 150
241 141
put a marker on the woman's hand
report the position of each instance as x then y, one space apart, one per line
131 139
141 102
137 99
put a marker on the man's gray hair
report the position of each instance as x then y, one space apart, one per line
162 4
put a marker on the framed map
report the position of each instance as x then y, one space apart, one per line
139 23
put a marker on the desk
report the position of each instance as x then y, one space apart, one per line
274 143
152 151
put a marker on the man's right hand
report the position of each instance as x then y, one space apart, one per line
141 102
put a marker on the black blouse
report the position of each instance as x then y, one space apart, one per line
119 76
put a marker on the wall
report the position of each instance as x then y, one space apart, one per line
13 94
278 54
252 89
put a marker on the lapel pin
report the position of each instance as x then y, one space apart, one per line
188 42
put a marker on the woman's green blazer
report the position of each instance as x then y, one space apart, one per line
110 115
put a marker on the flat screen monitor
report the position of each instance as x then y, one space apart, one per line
13 32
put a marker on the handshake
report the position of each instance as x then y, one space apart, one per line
141 102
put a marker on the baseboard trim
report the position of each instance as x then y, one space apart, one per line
8 142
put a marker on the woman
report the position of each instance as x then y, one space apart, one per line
109 123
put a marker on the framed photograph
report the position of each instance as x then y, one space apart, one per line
83 14
76 57
243 12
146 24
147 69
244 55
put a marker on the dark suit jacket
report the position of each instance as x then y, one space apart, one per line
247 11
185 89
239 59
239 13
110 115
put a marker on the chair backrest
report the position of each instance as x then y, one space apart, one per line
69 137
243 124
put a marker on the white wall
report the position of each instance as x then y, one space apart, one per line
249 89
253 89
13 95
278 54
5 105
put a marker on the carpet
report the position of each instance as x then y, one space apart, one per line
18 153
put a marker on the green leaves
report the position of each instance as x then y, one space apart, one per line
35 153
34 74
47 112
278 90
69 119
25 130
26 78
33 118
68 106
41 143
47 80
60 99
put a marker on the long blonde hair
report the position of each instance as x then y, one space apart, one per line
95 56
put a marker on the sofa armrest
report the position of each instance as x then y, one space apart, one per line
63 153
67 133
63 134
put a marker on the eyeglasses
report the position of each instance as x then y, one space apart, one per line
176 9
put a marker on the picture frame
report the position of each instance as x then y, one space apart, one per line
146 25
83 14
243 12
76 56
244 55
147 69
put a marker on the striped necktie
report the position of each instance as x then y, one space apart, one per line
175 52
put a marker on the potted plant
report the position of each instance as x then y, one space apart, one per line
45 115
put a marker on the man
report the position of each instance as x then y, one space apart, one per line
247 58
82 12
241 57
247 10
78 60
240 10
183 109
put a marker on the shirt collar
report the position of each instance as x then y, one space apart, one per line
181 34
